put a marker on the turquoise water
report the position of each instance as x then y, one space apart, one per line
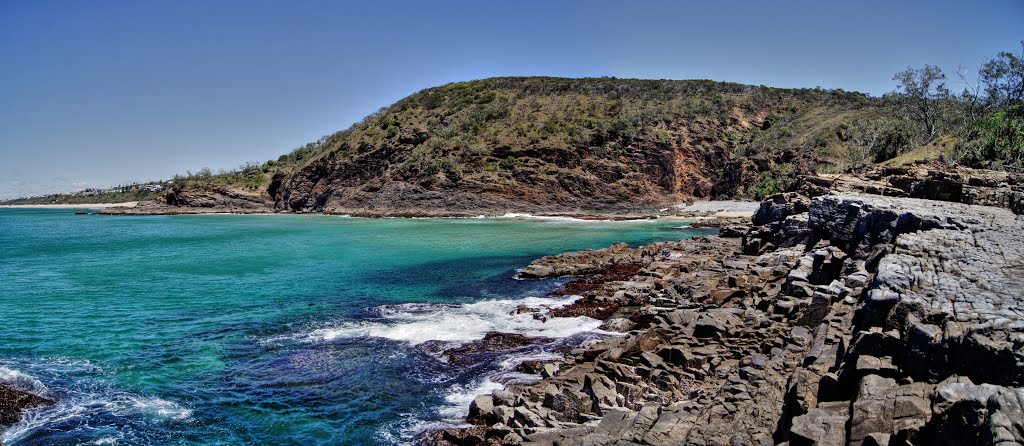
274 329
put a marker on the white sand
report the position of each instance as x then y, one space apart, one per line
720 208
127 204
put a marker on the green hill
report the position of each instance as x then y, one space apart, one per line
561 145
570 144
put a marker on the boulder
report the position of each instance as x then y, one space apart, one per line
824 425
873 409
13 402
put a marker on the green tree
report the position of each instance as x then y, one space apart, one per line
921 93
1003 78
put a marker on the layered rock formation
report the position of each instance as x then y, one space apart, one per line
936 181
841 318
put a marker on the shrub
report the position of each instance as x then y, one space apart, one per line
509 163
1000 138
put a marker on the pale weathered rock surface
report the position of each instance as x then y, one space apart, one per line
844 318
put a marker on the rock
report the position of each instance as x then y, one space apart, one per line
618 325
480 409
778 207
831 321
525 418
912 411
533 367
733 231
1005 417
877 439
456 437
503 398
873 409
13 402
967 413
492 341
824 425
715 324
681 357
568 407
870 365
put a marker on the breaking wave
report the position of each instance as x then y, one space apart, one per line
86 409
417 323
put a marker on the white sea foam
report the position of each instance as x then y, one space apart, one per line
22 381
419 323
458 397
76 407
130 404
512 361
452 413
560 218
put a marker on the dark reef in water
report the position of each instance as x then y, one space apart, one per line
492 341
13 402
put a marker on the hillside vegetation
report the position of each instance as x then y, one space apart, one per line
114 195
610 145
581 143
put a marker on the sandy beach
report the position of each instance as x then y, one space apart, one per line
128 204
719 208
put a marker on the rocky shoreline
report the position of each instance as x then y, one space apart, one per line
845 312
14 401
232 201
876 309
157 208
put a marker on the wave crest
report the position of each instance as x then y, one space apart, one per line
418 323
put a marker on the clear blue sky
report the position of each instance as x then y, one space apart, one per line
96 93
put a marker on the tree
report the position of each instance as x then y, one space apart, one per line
1003 78
921 92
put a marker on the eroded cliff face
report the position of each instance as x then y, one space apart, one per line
697 160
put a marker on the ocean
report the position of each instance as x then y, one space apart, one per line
271 329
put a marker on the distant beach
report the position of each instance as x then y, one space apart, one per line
128 204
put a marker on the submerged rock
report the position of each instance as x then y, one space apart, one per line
13 402
492 342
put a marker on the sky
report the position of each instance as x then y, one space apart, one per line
103 92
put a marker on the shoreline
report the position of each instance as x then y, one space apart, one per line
713 209
800 326
128 204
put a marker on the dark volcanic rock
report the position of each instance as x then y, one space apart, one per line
462 437
13 402
843 318
493 341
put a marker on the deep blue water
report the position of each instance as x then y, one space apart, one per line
274 329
